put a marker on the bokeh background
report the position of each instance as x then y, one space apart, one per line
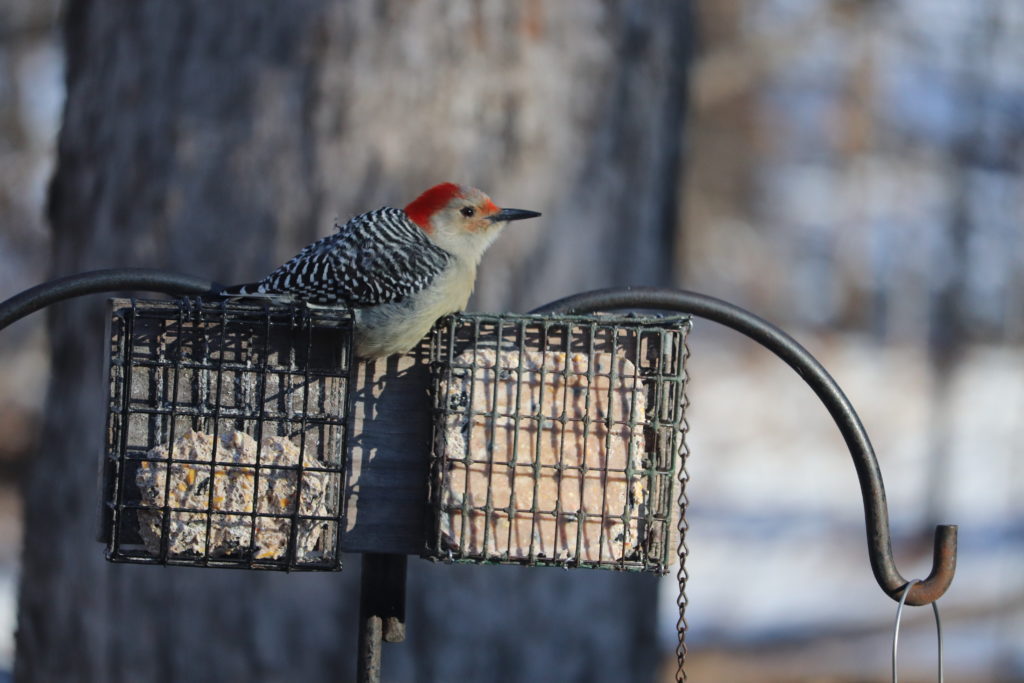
849 169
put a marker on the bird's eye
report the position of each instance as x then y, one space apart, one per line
467 211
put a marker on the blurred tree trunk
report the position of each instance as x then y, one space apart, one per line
217 138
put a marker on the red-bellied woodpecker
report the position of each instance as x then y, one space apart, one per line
399 270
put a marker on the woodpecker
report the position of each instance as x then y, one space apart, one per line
398 269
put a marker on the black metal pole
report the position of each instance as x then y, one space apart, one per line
381 611
797 357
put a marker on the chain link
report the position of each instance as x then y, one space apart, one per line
683 526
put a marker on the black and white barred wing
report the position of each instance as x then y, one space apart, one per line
375 258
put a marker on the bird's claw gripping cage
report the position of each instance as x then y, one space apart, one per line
226 434
557 439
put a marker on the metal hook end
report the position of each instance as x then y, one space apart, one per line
941 576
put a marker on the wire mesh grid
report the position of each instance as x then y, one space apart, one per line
226 434
557 440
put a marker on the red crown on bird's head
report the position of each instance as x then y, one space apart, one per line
433 200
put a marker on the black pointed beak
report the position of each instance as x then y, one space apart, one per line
512 215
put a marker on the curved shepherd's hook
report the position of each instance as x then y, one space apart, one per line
797 357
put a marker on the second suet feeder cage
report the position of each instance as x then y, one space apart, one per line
557 439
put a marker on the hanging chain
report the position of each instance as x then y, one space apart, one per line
683 526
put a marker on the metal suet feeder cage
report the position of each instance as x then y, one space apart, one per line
557 439
226 434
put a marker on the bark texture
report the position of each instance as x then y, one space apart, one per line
216 139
